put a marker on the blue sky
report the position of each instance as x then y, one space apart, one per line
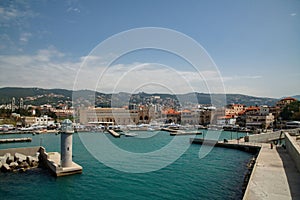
255 44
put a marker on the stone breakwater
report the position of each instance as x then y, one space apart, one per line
18 162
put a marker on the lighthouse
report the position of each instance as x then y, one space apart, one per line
66 143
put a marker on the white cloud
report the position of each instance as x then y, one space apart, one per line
24 37
149 77
39 70
16 13
7 14
49 68
293 14
240 77
71 9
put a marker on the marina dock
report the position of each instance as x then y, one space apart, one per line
184 133
113 133
169 130
28 132
231 144
12 140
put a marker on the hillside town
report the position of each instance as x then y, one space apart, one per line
152 111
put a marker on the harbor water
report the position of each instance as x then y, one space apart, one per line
219 175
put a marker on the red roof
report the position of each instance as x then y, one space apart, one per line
171 111
252 108
226 117
288 99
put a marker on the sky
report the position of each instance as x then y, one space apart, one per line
248 47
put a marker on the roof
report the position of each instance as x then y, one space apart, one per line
288 99
171 111
226 117
252 108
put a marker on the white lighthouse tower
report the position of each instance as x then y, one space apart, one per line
66 143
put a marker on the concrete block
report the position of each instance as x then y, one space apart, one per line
23 164
20 157
32 161
5 168
13 165
10 159
2 160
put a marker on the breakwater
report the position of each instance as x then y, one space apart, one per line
231 144
28 132
11 140
19 159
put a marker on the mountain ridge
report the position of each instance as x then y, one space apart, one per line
7 93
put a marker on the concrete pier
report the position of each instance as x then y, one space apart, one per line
11 140
274 176
185 133
52 160
231 144
169 130
113 133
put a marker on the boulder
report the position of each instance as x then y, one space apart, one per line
20 158
5 168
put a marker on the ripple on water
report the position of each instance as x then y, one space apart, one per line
219 175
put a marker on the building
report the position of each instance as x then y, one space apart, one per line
206 115
189 117
117 116
63 113
226 120
234 109
171 116
285 101
293 124
275 110
260 121
264 110
143 115
40 121
252 110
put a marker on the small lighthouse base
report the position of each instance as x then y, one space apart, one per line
53 163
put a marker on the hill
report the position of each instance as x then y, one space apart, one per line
297 97
39 96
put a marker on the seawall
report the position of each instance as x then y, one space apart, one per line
293 149
267 137
29 151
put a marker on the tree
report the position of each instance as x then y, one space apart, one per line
291 111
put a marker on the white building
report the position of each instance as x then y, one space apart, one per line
189 117
264 110
226 120
260 121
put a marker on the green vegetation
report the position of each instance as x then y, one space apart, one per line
291 111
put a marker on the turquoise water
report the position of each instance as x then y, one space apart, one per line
219 175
